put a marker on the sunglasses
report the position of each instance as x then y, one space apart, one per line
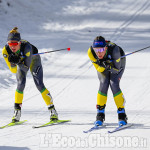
99 49
13 44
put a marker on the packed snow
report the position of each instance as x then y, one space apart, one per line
70 76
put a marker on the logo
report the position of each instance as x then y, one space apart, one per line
99 43
27 54
51 99
118 60
109 56
5 55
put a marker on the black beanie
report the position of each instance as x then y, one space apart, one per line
14 35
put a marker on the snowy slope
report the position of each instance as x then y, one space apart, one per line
70 76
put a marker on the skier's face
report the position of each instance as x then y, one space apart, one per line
14 45
100 52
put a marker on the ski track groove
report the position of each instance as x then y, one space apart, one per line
27 133
119 31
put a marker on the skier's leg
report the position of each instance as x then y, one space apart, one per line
103 88
21 80
37 73
118 96
102 97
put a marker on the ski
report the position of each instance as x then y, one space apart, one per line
51 123
13 124
120 128
95 128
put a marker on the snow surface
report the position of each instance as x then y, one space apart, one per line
70 76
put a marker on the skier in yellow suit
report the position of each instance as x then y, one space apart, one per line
105 57
19 58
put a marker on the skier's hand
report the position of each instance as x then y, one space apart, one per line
109 61
14 59
106 65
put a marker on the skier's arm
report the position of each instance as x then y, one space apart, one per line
25 64
116 60
12 67
94 60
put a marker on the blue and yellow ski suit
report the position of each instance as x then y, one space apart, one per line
28 61
109 77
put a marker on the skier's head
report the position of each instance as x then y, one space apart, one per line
13 40
99 46
99 41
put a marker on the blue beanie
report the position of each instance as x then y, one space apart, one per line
99 42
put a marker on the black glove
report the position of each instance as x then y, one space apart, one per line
106 65
14 58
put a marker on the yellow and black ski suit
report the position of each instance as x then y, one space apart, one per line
109 77
28 61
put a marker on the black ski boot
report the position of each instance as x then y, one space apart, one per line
122 117
53 113
100 118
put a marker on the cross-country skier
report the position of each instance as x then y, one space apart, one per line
109 73
19 57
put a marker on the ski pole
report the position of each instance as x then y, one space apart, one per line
68 49
135 51
109 61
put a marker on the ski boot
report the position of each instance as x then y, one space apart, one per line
100 115
122 117
53 113
17 113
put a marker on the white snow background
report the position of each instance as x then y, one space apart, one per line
70 76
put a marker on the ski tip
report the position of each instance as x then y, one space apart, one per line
25 120
13 124
68 120
64 121
34 127
121 128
